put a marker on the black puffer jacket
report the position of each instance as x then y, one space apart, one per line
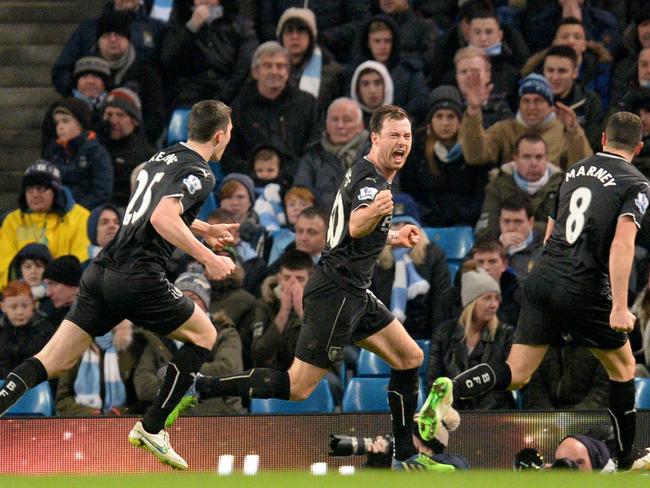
20 343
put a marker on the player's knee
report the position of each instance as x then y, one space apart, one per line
208 339
411 360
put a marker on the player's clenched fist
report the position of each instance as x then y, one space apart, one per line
383 203
218 267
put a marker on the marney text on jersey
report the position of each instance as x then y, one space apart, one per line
601 174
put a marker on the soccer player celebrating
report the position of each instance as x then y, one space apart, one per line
339 308
579 287
127 279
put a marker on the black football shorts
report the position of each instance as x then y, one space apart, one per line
549 312
334 318
106 297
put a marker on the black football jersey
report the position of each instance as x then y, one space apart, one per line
594 193
347 261
177 171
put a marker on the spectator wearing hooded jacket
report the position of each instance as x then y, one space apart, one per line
84 163
47 215
29 266
410 281
449 192
208 54
144 33
124 139
313 68
417 34
338 21
270 111
379 40
371 87
103 226
325 163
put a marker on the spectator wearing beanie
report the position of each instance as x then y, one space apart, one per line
226 357
144 32
566 140
476 336
313 68
62 278
209 56
46 215
91 80
124 139
448 190
84 163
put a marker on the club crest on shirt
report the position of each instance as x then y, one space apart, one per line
192 183
367 193
641 202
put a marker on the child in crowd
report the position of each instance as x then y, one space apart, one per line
23 332
29 265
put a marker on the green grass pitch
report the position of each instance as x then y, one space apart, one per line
476 479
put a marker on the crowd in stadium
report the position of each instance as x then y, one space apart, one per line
505 96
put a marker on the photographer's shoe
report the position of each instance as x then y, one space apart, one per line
435 407
421 462
158 445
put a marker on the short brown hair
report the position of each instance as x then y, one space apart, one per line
624 131
386 112
378 26
229 188
206 118
532 139
488 244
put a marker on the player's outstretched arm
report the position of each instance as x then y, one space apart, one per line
216 235
363 220
621 255
166 220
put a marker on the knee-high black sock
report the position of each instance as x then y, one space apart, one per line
482 378
179 377
29 373
254 383
402 400
623 416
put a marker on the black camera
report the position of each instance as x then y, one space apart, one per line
527 459
346 445
565 463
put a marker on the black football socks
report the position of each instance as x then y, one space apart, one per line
482 378
403 400
623 416
185 363
28 374
254 383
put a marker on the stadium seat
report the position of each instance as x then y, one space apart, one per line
178 126
37 401
371 365
642 397
455 241
320 401
453 268
369 395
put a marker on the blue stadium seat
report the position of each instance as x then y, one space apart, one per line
178 126
37 401
425 345
453 268
320 401
455 241
369 395
642 397
371 365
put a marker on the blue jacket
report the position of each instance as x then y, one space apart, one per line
85 168
146 35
